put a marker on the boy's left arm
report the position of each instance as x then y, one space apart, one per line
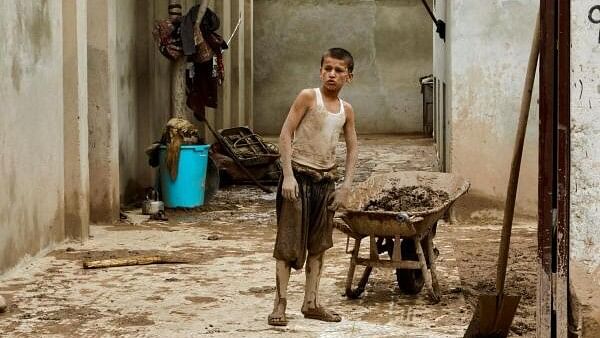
342 193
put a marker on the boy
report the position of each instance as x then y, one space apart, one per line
306 200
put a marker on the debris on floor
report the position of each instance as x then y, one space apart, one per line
133 260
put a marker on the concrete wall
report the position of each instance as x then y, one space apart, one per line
585 160
77 170
31 128
488 44
390 41
585 131
143 92
103 111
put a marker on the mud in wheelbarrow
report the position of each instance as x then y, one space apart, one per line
408 241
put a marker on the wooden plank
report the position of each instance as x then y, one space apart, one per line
226 110
132 260
234 69
564 164
374 254
389 264
546 168
249 62
241 40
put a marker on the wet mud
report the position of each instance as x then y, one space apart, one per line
408 198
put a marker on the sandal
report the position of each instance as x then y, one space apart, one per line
277 320
320 313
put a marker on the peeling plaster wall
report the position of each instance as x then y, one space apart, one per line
585 135
487 54
390 41
143 94
31 128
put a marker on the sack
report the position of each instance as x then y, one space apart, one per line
167 35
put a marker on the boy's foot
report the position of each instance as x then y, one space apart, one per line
277 317
321 313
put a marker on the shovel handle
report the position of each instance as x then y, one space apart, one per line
513 182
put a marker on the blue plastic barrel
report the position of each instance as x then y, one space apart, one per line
187 190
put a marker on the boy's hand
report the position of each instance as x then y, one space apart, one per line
289 188
340 198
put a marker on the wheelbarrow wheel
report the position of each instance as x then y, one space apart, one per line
410 281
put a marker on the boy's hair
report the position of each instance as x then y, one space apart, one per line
340 54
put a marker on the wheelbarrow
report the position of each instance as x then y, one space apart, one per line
406 236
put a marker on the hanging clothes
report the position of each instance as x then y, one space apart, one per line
188 26
202 89
204 48
167 34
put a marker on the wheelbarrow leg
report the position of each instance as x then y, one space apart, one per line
363 280
353 294
434 280
435 297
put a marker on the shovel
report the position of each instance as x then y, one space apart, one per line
495 312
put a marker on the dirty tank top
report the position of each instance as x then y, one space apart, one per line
317 136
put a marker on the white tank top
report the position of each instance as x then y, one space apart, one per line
317 136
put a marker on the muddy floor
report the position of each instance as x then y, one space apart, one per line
227 287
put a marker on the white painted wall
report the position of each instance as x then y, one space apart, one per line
585 135
488 44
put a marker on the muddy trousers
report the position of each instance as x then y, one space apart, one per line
304 225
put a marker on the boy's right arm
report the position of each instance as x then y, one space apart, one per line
289 187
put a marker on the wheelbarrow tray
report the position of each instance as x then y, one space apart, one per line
417 229
387 223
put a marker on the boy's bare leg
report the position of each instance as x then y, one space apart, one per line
311 307
282 277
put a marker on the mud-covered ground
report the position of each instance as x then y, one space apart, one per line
476 246
227 288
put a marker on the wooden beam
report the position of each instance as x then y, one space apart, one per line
415 265
563 163
132 260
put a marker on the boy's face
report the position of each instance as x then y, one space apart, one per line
334 73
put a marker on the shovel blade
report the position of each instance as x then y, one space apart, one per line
493 316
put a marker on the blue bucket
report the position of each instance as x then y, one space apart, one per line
187 190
